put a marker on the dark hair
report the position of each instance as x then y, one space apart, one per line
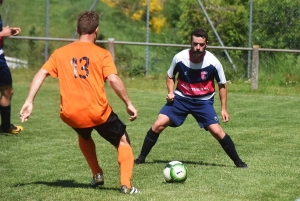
199 33
87 22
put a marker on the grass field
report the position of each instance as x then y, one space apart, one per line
44 162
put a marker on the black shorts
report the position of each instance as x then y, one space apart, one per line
112 130
5 76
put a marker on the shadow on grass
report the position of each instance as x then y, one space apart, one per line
64 184
191 162
8 134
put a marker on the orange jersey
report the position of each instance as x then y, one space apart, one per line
82 68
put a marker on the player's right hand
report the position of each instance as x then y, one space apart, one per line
6 31
15 31
132 112
170 97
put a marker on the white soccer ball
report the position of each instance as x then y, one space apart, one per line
175 171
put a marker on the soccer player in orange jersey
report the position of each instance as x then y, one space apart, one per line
82 68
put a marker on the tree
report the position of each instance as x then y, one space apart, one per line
230 19
136 10
276 24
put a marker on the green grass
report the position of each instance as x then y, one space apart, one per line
44 162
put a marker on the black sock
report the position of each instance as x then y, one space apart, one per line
5 117
228 146
149 142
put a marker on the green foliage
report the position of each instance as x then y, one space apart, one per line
136 70
191 18
137 11
172 12
285 74
229 19
234 25
37 60
277 24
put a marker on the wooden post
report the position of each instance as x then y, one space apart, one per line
255 65
111 47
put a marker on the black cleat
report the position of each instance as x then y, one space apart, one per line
240 164
12 130
139 161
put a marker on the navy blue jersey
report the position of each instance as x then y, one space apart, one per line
2 58
196 80
1 39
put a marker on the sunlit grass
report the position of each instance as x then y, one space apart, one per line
45 163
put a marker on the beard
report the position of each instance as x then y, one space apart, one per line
196 55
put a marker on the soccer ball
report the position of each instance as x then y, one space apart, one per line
175 171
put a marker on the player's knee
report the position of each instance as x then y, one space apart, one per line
218 136
8 93
157 128
216 131
124 140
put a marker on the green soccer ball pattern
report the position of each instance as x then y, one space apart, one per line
175 171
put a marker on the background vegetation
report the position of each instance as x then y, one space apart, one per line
274 25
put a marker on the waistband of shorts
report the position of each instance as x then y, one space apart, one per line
179 93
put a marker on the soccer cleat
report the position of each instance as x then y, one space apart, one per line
132 190
13 129
139 161
98 180
240 164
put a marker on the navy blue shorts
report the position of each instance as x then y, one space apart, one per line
202 110
5 76
112 130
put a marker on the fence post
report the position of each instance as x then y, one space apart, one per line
255 65
111 47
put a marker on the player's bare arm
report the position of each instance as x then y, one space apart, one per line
223 99
6 32
34 87
119 88
9 31
170 86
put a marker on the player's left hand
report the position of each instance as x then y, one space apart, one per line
170 97
225 116
26 111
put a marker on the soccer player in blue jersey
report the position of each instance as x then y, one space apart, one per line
197 70
6 83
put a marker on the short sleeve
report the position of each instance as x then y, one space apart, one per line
172 68
108 65
221 79
50 66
